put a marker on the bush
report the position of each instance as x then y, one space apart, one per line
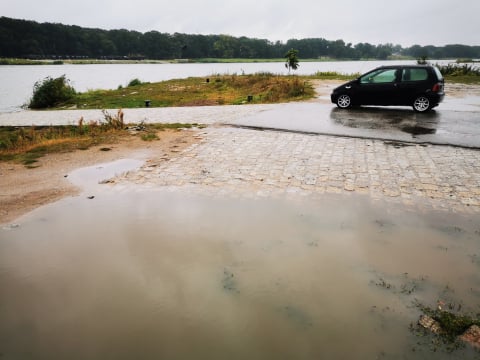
51 92
134 82
459 70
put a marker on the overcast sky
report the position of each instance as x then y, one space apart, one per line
405 22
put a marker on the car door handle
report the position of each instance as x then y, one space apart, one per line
348 87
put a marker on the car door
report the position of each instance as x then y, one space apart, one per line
414 81
379 87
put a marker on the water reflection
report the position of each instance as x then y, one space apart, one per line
387 120
156 275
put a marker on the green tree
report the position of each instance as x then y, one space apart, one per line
225 46
292 60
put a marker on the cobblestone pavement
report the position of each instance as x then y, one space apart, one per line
243 162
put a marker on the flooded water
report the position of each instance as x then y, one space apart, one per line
17 81
164 275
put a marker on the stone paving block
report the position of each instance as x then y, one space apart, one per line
265 163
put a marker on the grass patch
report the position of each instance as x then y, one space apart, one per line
214 90
149 136
333 75
451 325
9 61
26 145
463 79
175 126
465 74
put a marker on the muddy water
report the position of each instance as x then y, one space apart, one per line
158 275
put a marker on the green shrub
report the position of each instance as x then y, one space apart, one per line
134 82
51 92
459 70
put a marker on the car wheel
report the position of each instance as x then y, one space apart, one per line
421 104
344 101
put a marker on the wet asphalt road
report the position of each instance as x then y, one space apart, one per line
450 126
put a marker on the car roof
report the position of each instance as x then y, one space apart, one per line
404 66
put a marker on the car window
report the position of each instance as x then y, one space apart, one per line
414 75
439 74
379 77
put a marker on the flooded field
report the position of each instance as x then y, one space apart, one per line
158 275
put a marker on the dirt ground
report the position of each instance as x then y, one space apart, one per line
23 189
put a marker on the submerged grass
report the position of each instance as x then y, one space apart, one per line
452 324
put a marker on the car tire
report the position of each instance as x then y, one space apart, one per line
344 101
422 104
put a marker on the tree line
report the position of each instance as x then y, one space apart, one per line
30 39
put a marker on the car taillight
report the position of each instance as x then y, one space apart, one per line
437 87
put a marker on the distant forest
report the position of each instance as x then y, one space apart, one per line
33 40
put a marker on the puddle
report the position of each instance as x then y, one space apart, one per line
418 130
151 274
90 177
452 125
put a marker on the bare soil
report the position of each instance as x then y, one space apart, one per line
23 189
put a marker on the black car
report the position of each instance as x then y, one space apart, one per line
419 86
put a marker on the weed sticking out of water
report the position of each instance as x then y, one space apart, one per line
452 230
402 284
306 279
447 324
229 283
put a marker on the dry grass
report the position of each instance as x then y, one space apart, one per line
214 90
27 144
